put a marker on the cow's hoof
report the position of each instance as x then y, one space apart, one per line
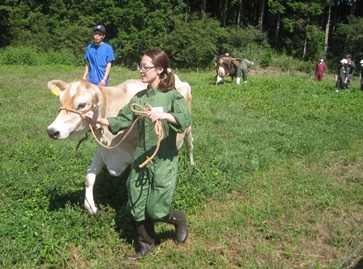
92 210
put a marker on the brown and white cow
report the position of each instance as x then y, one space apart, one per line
225 67
78 97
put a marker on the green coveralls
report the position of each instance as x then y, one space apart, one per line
244 67
342 74
151 188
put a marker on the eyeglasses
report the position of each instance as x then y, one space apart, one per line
143 68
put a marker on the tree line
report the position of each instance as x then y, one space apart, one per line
192 32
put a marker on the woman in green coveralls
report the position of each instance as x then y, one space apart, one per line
151 188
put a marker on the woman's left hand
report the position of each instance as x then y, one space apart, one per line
154 115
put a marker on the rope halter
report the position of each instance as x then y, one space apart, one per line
81 114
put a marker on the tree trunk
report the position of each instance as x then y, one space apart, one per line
224 13
187 10
278 23
203 6
262 11
305 46
335 17
352 9
327 31
306 38
239 14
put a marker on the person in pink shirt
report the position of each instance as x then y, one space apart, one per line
320 70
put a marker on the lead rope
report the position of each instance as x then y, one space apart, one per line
115 146
143 112
158 128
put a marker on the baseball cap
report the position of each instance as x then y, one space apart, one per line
344 61
100 28
348 56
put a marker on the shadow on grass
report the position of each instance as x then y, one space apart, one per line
359 265
59 201
111 192
108 191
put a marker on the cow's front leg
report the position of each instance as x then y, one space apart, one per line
95 168
218 79
188 140
89 202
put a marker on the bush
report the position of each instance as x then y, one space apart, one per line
288 63
267 58
240 38
18 56
29 56
195 43
63 56
247 42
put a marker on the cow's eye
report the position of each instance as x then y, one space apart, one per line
81 105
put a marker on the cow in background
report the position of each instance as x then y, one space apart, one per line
225 67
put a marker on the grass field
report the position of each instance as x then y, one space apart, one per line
278 179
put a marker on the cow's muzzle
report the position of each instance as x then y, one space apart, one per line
53 133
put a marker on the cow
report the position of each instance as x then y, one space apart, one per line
225 67
80 96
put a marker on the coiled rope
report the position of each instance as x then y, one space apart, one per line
158 128
143 113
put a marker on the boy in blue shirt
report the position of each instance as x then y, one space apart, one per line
99 57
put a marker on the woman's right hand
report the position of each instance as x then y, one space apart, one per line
90 116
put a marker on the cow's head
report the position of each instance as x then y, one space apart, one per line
76 98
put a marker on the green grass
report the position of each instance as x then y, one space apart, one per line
277 181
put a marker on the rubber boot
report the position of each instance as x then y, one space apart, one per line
146 235
177 218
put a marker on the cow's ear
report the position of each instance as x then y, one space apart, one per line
96 99
57 83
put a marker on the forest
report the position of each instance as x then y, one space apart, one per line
192 32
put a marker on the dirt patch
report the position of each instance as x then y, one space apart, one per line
75 260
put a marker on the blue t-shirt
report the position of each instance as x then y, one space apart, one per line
98 58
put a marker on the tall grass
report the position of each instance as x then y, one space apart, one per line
277 181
